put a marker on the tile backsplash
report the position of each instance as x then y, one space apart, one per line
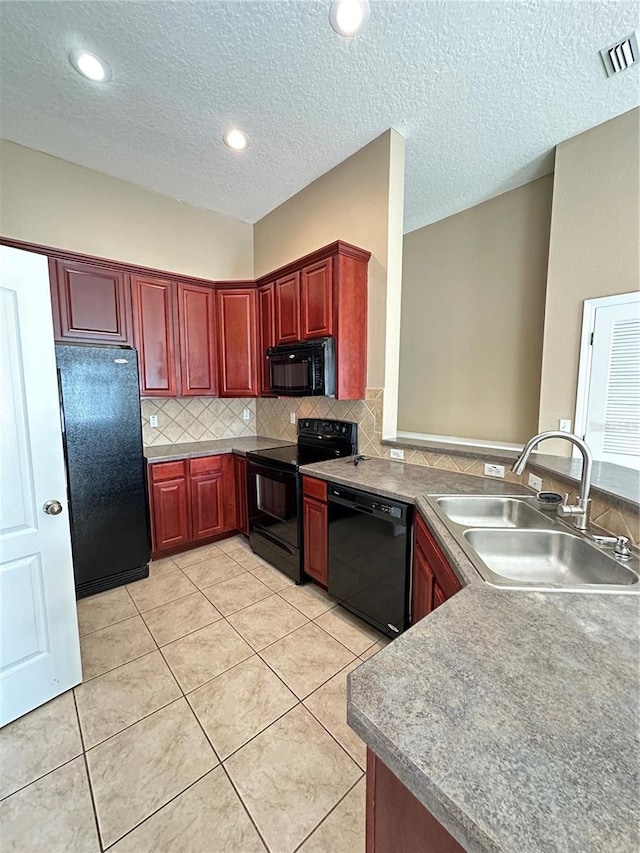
184 419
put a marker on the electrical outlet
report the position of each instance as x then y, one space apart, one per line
153 421
535 482
246 415
564 425
396 453
493 470
292 417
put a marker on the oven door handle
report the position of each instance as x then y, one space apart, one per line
279 542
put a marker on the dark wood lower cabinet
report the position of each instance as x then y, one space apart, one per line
433 579
242 509
396 821
192 502
315 529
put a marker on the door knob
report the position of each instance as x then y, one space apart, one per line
52 507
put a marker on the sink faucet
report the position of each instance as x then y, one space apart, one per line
580 510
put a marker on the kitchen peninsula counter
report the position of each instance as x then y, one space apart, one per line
511 716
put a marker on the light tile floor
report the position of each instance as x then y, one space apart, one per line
212 717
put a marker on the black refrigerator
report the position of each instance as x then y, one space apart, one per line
106 468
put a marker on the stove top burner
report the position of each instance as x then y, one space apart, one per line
319 439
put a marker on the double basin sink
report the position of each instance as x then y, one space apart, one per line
514 544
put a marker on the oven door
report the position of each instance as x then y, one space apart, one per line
274 502
291 374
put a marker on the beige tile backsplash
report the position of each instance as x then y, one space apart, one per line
184 419
187 419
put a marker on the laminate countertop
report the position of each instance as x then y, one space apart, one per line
512 716
193 449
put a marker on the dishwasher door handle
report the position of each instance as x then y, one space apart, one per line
362 508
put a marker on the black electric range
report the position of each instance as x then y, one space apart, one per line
274 489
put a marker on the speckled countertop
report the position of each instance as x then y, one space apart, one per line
512 716
193 449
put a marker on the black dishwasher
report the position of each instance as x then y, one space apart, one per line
369 551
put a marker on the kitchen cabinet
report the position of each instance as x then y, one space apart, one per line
287 308
170 522
324 294
316 300
197 330
242 508
154 323
433 579
91 304
266 333
315 530
396 820
237 342
192 501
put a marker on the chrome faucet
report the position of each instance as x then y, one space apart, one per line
580 510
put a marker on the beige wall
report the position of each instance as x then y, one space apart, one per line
350 202
473 295
54 203
594 249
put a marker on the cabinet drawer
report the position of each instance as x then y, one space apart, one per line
167 471
205 465
445 576
314 488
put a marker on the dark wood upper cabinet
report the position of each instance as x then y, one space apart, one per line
237 342
267 332
196 316
287 308
154 316
316 300
91 304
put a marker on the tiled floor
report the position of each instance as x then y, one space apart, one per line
212 717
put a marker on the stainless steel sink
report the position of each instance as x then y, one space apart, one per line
546 557
514 544
488 511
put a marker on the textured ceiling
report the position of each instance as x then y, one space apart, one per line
482 91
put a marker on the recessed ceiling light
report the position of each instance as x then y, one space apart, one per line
90 66
348 17
235 139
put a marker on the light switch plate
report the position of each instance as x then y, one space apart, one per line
564 425
153 421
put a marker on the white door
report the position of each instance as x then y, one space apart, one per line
39 645
612 422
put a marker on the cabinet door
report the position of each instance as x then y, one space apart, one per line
154 312
315 533
196 315
423 582
267 332
169 513
237 343
242 511
287 305
316 291
91 304
206 505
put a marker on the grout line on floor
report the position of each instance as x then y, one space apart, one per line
116 622
38 778
89 780
245 807
332 809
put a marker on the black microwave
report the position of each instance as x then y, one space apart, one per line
306 369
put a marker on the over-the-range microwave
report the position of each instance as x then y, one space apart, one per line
306 369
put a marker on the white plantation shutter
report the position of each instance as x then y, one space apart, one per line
613 416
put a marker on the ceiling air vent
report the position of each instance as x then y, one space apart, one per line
621 55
